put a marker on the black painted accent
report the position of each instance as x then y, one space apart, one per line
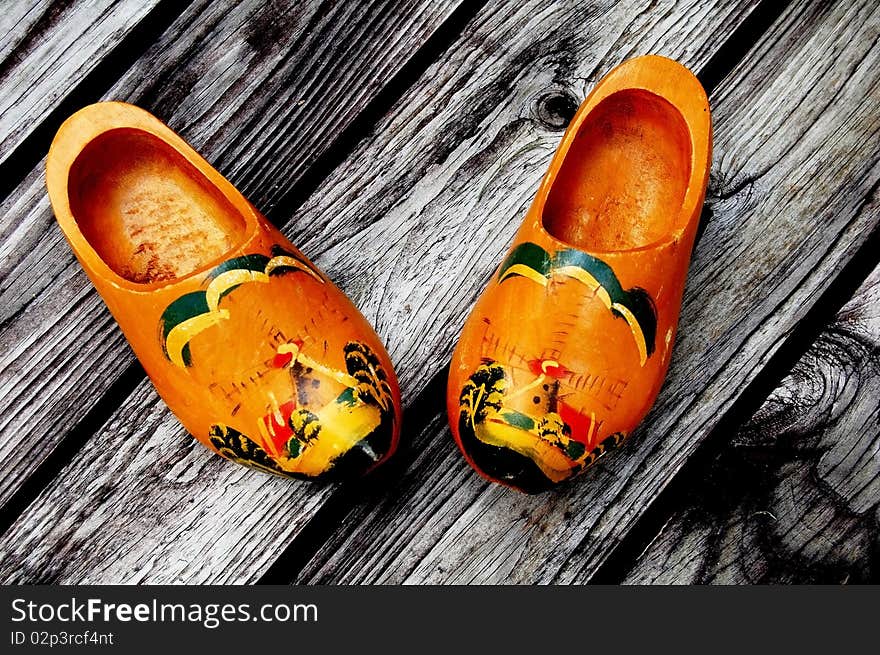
373 488
503 463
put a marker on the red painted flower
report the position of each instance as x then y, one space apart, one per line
280 432
548 367
282 359
582 426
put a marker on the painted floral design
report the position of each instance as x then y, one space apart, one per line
331 422
350 433
530 451
635 306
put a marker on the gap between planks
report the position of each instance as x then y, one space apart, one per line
793 495
25 144
780 365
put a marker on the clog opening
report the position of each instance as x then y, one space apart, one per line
623 180
149 213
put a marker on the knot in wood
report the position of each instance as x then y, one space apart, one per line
554 109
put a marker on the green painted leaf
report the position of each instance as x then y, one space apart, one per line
603 273
347 397
246 262
517 419
278 251
636 299
575 450
642 306
528 254
182 309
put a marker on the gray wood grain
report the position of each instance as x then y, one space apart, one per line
795 496
792 196
47 48
439 186
261 89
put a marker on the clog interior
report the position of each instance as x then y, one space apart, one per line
147 212
623 180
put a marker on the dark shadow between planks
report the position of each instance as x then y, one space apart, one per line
430 402
75 439
671 499
90 89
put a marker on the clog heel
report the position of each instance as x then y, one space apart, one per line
566 349
256 352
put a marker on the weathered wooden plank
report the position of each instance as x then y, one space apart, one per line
796 493
796 126
466 140
47 48
261 89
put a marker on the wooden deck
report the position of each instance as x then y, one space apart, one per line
398 143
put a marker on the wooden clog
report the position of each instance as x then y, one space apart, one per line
258 354
567 348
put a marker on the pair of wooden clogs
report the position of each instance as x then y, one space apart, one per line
268 363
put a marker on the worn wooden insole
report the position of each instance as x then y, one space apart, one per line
624 178
147 212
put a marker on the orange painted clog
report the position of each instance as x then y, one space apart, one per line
566 349
258 354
